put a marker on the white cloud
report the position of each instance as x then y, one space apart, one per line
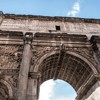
46 90
75 9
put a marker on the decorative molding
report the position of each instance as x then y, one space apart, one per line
85 52
38 52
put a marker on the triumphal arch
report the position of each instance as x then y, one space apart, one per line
34 49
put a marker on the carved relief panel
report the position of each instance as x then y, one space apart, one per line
9 57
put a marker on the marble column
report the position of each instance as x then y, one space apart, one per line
24 68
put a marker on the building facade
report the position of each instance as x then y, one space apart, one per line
34 49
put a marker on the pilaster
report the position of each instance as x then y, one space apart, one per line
93 93
95 42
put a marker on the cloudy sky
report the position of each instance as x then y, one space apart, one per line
54 90
74 8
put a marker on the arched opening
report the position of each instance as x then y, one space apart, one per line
66 67
71 67
56 90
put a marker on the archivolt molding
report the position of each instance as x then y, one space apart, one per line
8 87
76 54
84 52
11 81
38 52
74 69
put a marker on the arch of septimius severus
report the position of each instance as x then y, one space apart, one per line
34 49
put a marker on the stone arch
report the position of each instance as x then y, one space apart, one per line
76 75
68 52
8 88
78 78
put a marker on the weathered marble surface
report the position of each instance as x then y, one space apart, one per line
95 95
9 58
34 24
72 54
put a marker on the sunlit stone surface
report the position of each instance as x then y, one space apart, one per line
34 49
95 95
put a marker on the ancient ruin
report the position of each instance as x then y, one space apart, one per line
34 49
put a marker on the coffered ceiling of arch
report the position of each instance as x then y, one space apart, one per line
40 51
65 67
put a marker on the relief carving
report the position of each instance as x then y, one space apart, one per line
12 81
10 57
38 52
85 52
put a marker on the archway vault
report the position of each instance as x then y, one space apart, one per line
68 66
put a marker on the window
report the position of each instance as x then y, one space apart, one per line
57 28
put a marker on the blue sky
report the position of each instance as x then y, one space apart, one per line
87 8
56 90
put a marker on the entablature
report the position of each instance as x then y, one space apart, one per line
44 39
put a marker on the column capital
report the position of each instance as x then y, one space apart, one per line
28 37
34 75
97 76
